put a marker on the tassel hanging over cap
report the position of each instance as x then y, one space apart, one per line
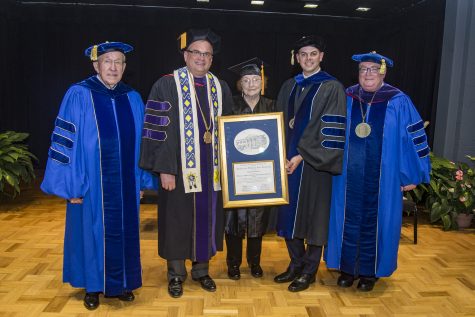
382 70
94 53
182 38
263 79
292 58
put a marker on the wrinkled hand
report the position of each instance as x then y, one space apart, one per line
167 181
293 163
76 200
408 187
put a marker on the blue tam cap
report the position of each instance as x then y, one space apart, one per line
373 57
97 50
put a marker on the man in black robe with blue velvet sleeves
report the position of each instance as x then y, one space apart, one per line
314 109
180 143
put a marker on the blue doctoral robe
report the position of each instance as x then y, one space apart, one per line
94 155
366 208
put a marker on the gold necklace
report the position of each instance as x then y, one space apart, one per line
207 138
363 129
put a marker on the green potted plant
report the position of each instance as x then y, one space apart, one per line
451 193
16 164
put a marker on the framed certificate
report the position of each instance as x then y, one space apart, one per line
252 157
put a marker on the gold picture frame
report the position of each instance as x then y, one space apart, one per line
252 160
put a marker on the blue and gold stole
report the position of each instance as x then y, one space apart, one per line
189 131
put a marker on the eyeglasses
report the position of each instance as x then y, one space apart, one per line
116 63
248 81
196 54
371 70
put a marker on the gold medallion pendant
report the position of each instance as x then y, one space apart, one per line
363 130
207 137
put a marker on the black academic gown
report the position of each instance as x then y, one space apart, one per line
253 221
307 215
177 224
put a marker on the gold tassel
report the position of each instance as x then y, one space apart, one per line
292 58
382 70
94 53
182 40
263 79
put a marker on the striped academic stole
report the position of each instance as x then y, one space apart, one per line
189 131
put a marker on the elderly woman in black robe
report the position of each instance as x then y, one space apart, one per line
251 222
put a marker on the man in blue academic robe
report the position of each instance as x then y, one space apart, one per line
93 163
386 154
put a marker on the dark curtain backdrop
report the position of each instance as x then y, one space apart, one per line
43 52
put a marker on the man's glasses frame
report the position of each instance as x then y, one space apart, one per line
371 70
196 53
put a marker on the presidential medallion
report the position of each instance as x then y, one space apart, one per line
363 130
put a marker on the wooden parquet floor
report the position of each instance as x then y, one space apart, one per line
436 277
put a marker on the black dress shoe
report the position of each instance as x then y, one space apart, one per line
91 301
233 272
256 270
175 287
127 296
302 282
288 276
366 284
345 280
206 282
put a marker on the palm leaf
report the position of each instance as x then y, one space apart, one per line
16 162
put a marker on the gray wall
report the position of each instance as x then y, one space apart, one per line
455 125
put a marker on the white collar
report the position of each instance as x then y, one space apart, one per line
319 69
107 86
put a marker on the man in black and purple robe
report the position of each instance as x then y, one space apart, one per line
180 144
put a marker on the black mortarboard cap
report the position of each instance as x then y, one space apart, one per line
193 35
310 40
253 66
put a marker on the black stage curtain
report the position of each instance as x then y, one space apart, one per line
43 52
